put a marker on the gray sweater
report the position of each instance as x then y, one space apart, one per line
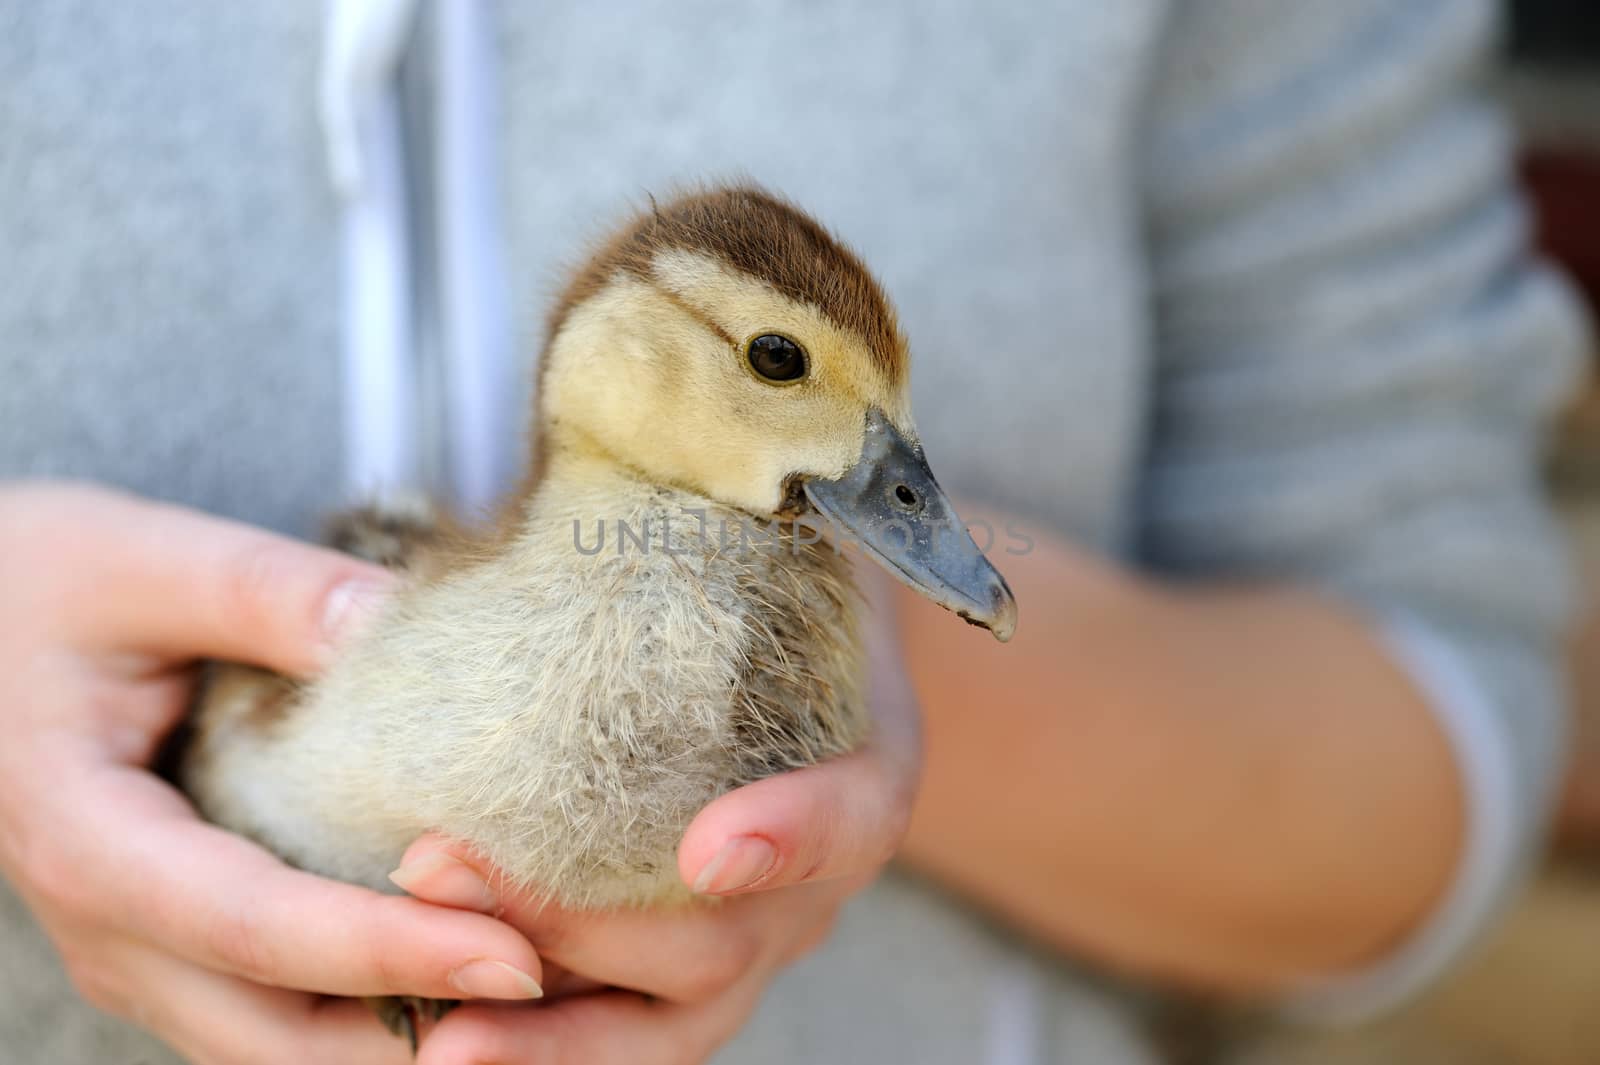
1220 290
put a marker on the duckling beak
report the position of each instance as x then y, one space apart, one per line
891 504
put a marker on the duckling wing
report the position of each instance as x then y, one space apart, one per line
398 535
234 703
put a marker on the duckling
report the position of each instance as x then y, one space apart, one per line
663 612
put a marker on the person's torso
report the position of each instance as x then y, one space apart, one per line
171 316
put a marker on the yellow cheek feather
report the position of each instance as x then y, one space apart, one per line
657 371
839 361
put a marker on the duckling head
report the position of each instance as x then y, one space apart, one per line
724 342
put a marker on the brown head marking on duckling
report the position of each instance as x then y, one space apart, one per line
758 234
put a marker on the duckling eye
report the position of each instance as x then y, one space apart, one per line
777 358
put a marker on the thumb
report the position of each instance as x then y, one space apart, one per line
163 579
841 818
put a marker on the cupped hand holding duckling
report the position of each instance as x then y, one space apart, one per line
228 954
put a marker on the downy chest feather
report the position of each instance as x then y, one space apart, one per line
568 704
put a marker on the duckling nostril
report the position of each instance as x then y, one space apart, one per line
905 495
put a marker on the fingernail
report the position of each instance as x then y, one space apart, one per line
494 979
442 879
742 862
350 606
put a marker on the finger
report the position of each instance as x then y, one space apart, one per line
686 954
842 818
226 904
212 1019
611 1028
164 579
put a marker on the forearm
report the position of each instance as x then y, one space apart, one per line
1228 786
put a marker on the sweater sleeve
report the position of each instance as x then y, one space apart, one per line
1356 359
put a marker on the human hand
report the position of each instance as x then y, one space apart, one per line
177 925
668 987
